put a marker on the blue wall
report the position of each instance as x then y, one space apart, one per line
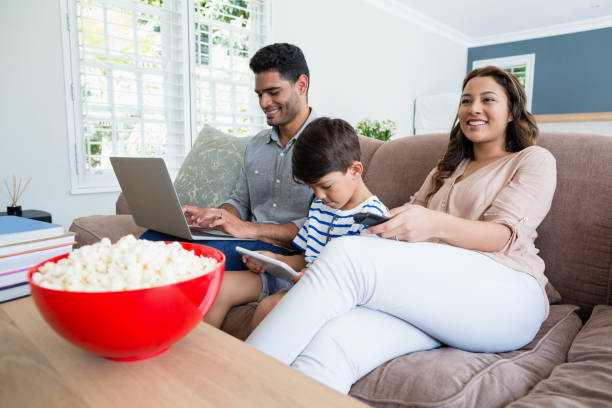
573 72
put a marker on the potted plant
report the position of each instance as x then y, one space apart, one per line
376 129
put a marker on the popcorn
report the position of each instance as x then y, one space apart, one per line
129 264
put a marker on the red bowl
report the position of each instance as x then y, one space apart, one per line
132 324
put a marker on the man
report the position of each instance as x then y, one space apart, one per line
267 205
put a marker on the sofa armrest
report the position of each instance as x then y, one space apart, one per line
92 229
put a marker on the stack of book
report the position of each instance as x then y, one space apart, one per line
25 243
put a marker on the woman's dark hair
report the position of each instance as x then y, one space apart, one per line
326 145
521 132
286 59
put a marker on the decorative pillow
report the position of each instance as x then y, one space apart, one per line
209 173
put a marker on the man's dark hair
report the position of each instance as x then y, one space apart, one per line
326 145
286 59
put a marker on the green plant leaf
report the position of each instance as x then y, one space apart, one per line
376 129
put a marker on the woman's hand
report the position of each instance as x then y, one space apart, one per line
414 223
411 223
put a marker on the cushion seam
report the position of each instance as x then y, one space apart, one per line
480 374
609 294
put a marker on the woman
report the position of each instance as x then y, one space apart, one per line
459 268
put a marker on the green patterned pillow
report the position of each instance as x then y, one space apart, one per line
210 170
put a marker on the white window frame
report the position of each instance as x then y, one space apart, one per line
512 61
83 180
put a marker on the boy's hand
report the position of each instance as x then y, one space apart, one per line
254 266
269 254
299 275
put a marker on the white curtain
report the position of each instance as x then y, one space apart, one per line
435 113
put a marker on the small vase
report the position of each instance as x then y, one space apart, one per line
13 210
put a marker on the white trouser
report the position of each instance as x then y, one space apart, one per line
458 297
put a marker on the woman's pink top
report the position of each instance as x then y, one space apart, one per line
515 190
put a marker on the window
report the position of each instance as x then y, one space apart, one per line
145 75
522 66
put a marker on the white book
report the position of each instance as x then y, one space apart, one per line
12 263
19 248
14 292
14 277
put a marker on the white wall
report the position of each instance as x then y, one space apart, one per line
365 62
600 128
33 141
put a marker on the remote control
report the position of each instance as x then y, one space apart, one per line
369 218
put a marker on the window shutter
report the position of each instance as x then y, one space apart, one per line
148 74
226 32
130 77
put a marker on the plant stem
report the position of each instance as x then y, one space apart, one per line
23 189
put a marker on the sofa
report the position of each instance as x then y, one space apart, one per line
568 363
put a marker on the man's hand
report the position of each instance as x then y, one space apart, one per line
220 219
227 219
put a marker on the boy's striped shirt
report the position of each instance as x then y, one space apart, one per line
325 223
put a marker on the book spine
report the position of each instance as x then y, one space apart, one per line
22 236
12 249
17 277
28 260
14 292
12 272
37 249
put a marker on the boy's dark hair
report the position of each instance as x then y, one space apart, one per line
286 59
324 146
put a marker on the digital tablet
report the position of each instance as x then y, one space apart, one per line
272 266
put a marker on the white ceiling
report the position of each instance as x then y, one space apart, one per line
480 22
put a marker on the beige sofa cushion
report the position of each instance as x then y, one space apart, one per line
586 379
93 228
448 377
575 239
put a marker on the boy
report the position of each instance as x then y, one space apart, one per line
326 157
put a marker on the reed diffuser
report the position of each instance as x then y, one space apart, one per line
15 194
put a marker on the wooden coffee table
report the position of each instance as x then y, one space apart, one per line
207 368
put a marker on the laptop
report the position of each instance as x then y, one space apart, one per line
153 201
